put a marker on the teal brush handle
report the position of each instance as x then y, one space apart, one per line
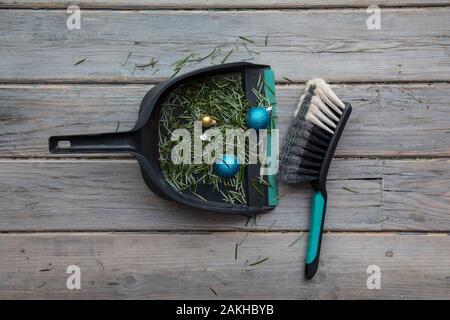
318 208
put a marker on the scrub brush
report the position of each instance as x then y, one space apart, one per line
318 123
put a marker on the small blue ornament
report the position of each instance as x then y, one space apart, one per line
226 166
258 118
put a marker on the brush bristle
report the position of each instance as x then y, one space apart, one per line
315 121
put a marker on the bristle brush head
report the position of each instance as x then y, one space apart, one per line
327 93
303 152
315 121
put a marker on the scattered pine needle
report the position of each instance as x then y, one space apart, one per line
249 51
246 39
296 240
266 40
220 280
213 291
271 226
238 244
350 190
179 64
41 285
288 80
79 62
248 221
227 56
152 63
243 239
245 267
258 190
414 97
258 262
268 87
192 59
124 62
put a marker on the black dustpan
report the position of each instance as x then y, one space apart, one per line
142 142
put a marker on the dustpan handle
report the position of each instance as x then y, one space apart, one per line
121 142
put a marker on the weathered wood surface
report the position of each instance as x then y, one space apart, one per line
214 4
416 194
111 195
387 120
412 44
409 195
185 266
189 249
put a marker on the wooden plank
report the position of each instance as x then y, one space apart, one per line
416 194
412 44
111 195
214 4
186 266
405 120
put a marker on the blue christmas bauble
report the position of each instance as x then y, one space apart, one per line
258 118
226 166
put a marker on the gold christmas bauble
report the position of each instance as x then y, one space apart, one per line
208 121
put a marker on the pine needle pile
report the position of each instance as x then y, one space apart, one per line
221 97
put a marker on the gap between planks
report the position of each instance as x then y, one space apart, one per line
280 83
216 7
129 159
218 231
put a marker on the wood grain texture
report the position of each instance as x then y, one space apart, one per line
412 44
164 251
416 194
111 195
407 195
184 266
214 4
387 120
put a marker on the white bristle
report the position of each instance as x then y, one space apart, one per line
320 115
319 92
324 108
299 105
330 94
311 83
312 118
